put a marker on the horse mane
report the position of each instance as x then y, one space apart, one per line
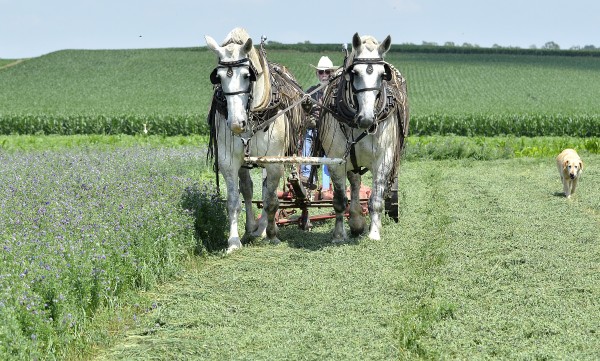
290 93
239 36
367 41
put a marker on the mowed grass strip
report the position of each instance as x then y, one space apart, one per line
488 261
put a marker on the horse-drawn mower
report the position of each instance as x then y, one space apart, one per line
297 202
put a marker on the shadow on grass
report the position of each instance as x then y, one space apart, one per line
208 210
318 238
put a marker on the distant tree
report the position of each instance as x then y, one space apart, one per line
449 43
430 43
496 46
469 45
589 47
551 46
532 46
575 47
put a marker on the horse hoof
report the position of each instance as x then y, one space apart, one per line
232 249
275 241
375 236
357 232
234 244
260 232
357 226
338 241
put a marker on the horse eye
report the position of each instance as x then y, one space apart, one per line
247 75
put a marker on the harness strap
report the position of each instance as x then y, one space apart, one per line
357 169
352 150
269 121
238 92
233 63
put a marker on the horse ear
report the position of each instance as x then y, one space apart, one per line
248 46
385 45
212 44
356 41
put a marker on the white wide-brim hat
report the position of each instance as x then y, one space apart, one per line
325 64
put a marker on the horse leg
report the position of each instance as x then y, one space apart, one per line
339 202
270 200
247 190
357 220
260 228
376 204
233 208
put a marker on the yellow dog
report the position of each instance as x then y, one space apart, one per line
569 166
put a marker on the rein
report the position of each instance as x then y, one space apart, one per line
306 96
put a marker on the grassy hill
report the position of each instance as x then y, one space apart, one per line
79 91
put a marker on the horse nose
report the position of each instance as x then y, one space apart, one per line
238 127
364 122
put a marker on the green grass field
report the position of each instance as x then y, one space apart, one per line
488 261
117 91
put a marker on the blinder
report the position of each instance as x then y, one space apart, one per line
215 79
387 75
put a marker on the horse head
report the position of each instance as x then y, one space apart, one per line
366 74
235 73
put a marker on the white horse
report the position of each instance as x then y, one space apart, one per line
364 120
251 115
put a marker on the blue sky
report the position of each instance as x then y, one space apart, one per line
30 28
